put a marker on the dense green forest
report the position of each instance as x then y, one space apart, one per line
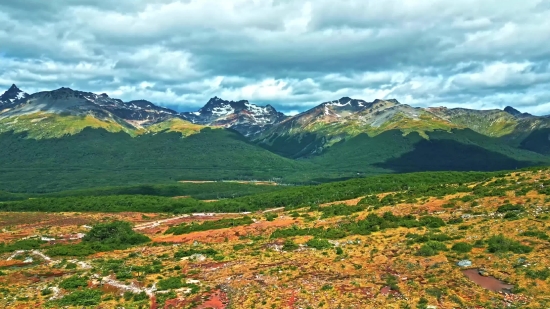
95 158
201 191
459 150
411 185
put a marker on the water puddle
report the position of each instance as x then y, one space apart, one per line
487 282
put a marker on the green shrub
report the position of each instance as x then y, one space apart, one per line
238 247
81 298
289 245
431 248
74 282
462 247
499 243
536 234
326 287
209 225
509 208
117 235
541 274
319 244
170 283
189 252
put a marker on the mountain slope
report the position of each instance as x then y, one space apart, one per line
242 116
56 113
309 133
314 131
96 157
458 150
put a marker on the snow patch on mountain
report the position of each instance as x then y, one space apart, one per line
247 118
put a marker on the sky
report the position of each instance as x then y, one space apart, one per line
292 54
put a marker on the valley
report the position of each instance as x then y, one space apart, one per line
351 204
63 139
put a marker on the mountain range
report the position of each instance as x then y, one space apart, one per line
237 139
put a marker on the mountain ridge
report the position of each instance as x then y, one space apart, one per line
63 111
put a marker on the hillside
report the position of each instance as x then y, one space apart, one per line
424 240
313 132
457 150
96 157
50 139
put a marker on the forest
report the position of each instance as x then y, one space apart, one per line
407 186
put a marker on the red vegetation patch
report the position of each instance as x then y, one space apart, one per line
217 300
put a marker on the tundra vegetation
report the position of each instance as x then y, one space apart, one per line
389 241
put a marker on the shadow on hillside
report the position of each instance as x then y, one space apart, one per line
538 141
449 155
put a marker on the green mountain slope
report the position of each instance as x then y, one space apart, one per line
459 149
315 131
96 157
311 132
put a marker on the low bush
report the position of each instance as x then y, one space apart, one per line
499 243
462 247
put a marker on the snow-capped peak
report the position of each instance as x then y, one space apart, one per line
242 115
12 95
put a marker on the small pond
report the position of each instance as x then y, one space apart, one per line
487 282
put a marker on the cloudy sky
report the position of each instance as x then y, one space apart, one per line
292 54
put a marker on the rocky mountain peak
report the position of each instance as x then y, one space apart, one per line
514 112
243 116
12 95
14 88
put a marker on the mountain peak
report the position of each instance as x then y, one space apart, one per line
388 100
514 112
12 95
14 88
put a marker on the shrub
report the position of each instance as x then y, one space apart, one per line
431 248
238 247
326 287
185 253
510 207
289 245
170 283
209 225
81 298
117 234
536 234
73 282
462 247
432 222
500 243
318 244
542 274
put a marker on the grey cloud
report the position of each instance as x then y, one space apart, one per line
291 54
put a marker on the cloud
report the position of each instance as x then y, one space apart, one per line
290 54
